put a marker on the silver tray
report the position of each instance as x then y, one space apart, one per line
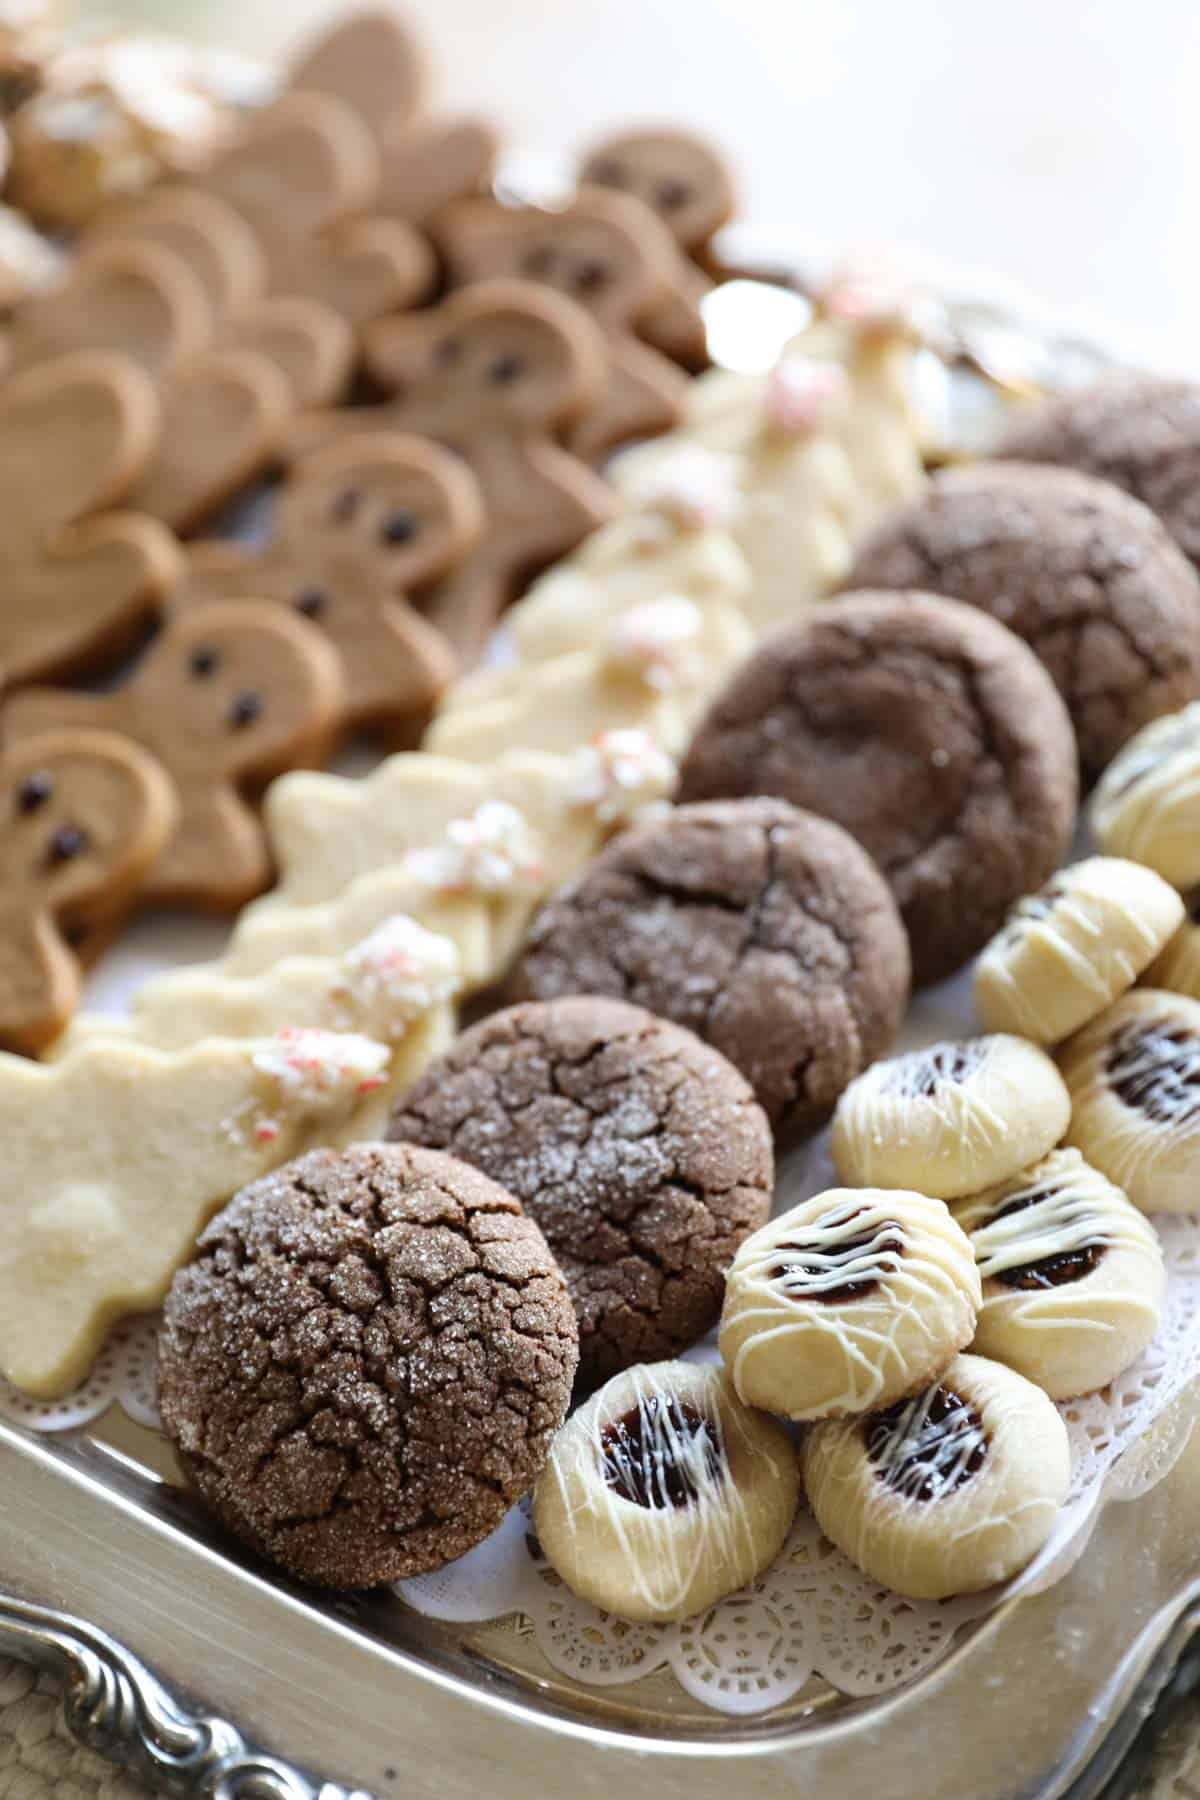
210 1676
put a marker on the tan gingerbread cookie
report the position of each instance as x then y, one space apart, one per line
685 180
373 63
611 255
80 583
227 697
494 373
356 529
83 815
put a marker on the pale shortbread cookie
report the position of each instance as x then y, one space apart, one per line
847 1302
950 1119
1071 949
1073 1275
1134 1078
1147 802
1178 968
664 1493
948 1493
396 986
653 669
683 550
120 1153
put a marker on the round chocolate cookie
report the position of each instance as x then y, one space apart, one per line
925 728
640 1151
1141 432
764 930
365 1365
1088 577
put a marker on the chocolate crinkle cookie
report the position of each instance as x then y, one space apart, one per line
640 1151
364 1366
764 930
926 729
1089 577
1141 432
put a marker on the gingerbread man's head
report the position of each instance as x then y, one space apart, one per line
603 251
681 177
83 815
357 528
370 60
508 357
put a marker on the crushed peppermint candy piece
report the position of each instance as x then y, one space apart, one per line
492 852
696 488
657 642
873 296
801 394
317 1071
621 773
401 970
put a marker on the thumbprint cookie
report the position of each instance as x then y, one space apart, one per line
1074 947
1178 968
950 1119
664 1493
847 1302
1147 802
1134 1078
946 1493
1073 1275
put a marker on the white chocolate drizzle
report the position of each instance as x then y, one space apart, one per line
913 1451
1039 1222
845 1249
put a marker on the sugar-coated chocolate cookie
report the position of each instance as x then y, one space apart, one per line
951 1118
640 1151
1073 1275
929 732
847 1302
1087 576
227 697
1145 805
1134 1080
947 1493
366 1363
664 1493
1141 432
83 816
1068 951
764 930
356 529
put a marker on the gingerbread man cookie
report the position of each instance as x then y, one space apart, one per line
685 180
493 373
226 698
84 815
93 1230
80 588
372 63
300 175
357 527
613 258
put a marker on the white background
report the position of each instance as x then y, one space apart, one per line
1054 141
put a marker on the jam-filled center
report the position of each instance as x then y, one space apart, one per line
925 1449
832 1268
1056 1269
1155 1070
661 1454
944 1063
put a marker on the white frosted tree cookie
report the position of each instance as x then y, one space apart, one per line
684 549
653 668
847 1302
950 1119
1134 1077
1071 949
946 1493
1178 968
119 1154
664 1493
1147 802
396 985
1073 1275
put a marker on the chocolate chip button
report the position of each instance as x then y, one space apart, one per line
34 791
244 709
67 843
673 195
590 277
346 506
204 661
400 527
505 369
312 602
